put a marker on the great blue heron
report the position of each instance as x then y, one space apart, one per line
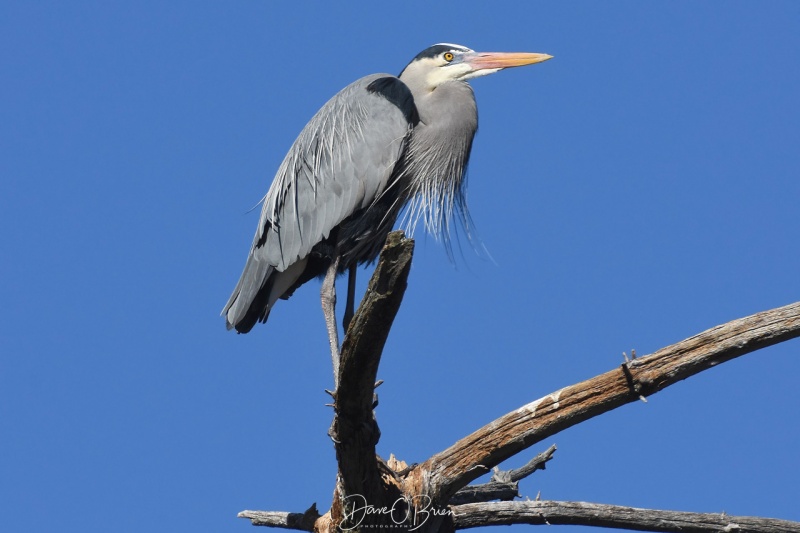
380 143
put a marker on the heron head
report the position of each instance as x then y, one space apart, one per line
445 62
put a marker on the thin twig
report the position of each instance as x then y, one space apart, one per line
537 463
504 484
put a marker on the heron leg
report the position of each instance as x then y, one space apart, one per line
328 297
351 298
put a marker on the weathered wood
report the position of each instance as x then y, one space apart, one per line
354 430
300 521
616 516
486 492
537 463
504 484
450 470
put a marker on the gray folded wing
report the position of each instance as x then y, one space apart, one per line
342 161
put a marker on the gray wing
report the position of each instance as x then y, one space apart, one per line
342 161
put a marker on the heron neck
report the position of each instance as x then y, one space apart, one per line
450 105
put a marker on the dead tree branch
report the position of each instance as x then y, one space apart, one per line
436 482
300 521
486 492
354 430
504 484
615 516
445 473
537 463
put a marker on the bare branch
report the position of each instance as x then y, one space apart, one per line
486 492
616 516
300 521
369 328
504 484
448 471
354 430
537 463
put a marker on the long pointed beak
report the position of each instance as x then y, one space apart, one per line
500 60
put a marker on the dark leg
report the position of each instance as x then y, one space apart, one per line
328 296
351 298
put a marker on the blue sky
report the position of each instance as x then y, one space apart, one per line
639 188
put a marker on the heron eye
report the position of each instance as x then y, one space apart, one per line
448 56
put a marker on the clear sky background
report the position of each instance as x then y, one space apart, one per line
635 190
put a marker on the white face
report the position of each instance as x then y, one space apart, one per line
449 65
455 65
459 63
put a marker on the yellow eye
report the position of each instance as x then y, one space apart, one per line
448 56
